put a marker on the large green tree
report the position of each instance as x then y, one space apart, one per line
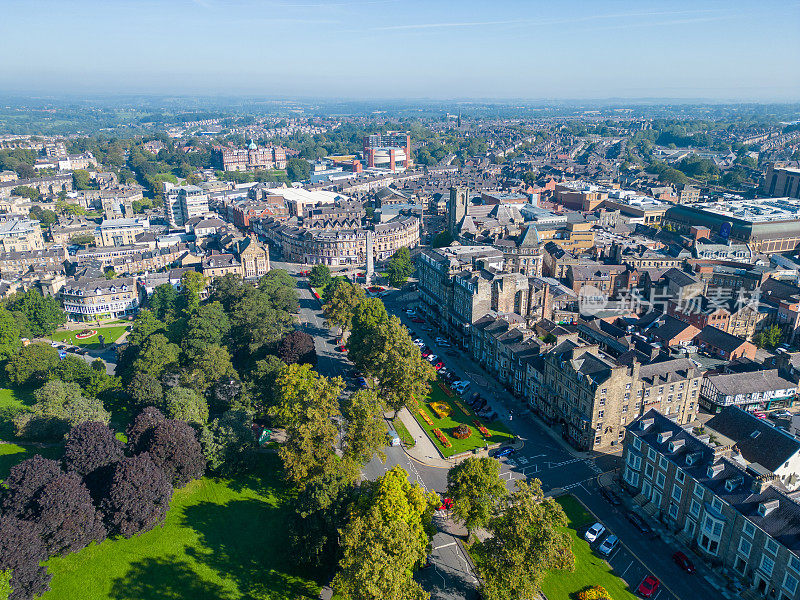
155 355
386 538
344 298
185 404
366 428
400 267
526 541
208 325
382 348
32 364
475 486
59 406
319 276
307 404
10 332
43 313
144 325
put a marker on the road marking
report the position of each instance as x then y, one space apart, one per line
626 570
522 460
551 465
445 546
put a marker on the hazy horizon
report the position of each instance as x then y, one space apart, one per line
386 49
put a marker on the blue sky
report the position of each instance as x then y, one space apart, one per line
726 50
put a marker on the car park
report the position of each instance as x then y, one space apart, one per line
439 365
431 358
610 496
594 532
425 352
417 320
609 545
648 587
492 416
683 562
639 523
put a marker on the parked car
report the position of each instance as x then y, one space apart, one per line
609 545
432 358
759 414
447 504
461 386
639 523
594 532
492 416
504 451
648 587
683 562
426 352
417 320
341 348
780 414
419 342
610 496
438 366
362 383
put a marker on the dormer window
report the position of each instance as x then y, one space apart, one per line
693 458
714 470
664 436
645 423
676 445
734 482
767 507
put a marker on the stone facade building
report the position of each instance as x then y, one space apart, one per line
92 299
721 494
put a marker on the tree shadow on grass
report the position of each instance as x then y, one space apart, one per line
167 578
247 541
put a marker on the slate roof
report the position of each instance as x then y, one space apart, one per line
732 384
771 447
719 339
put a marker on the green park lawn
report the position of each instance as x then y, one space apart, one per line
11 402
590 568
222 540
498 431
110 335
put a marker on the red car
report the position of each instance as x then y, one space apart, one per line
304 273
438 365
341 348
759 414
683 562
649 587
417 320
426 353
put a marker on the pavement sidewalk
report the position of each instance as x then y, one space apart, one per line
423 450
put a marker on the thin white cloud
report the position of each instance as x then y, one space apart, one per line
528 22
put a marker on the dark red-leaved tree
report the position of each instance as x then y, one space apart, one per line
21 550
138 497
174 447
24 482
66 517
142 426
297 347
91 446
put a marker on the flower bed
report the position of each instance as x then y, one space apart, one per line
460 406
442 438
446 389
595 592
484 432
426 417
86 333
461 432
441 409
